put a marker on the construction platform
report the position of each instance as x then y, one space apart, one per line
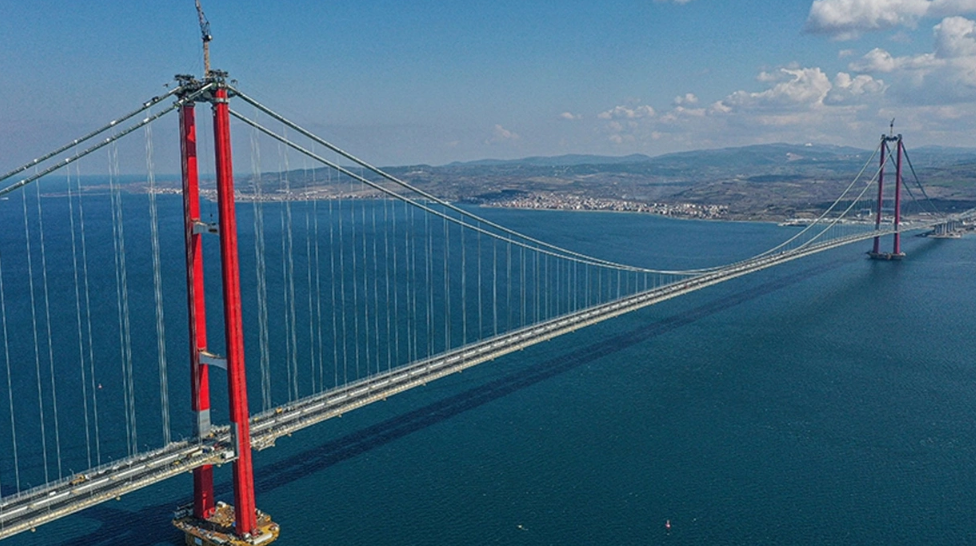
218 529
886 255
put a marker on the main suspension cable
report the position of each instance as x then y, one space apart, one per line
146 105
108 140
928 199
542 247
556 251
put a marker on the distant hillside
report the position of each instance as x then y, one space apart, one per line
744 156
765 155
555 161
941 156
769 181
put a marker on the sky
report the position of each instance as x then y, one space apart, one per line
434 82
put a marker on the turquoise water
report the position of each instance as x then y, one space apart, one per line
829 400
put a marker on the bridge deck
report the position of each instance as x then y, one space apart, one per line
39 505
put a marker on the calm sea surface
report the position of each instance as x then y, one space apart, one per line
827 401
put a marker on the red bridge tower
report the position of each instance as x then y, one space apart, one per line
896 253
210 523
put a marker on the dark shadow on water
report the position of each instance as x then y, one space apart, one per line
126 527
295 468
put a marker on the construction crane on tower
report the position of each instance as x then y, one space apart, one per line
207 37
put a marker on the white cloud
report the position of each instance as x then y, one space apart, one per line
847 89
570 116
794 100
947 74
793 88
930 93
501 134
680 114
682 111
879 60
847 19
955 37
719 107
795 104
627 112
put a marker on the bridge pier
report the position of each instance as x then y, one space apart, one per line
896 254
946 230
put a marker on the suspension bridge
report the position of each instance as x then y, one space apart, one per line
340 285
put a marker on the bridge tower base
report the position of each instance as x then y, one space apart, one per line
886 256
218 529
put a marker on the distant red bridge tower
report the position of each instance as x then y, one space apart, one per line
896 253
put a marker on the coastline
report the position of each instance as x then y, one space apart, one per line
535 202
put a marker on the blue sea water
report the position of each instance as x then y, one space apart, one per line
826 401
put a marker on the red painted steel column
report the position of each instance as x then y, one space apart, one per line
203 496
897 248
244 506
877 221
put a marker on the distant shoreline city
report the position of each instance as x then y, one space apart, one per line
555 202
